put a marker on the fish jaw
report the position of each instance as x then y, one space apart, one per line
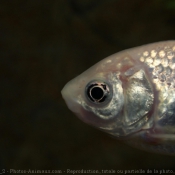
70 95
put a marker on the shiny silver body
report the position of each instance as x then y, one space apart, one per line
142 108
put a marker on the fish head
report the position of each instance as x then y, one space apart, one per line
130 95
115 95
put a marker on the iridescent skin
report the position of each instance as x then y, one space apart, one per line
142 107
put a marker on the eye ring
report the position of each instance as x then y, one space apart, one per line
98 92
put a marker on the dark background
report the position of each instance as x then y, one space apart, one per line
44 44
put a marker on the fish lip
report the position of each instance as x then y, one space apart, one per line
70 99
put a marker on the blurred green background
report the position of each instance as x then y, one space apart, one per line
44 44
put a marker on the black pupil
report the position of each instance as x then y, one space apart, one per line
97 93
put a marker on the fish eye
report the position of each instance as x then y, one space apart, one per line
98 92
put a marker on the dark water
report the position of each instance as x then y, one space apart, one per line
44 44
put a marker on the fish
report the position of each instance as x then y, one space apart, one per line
131 96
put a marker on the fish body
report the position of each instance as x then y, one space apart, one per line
131 96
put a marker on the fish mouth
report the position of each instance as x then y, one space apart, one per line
69 95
